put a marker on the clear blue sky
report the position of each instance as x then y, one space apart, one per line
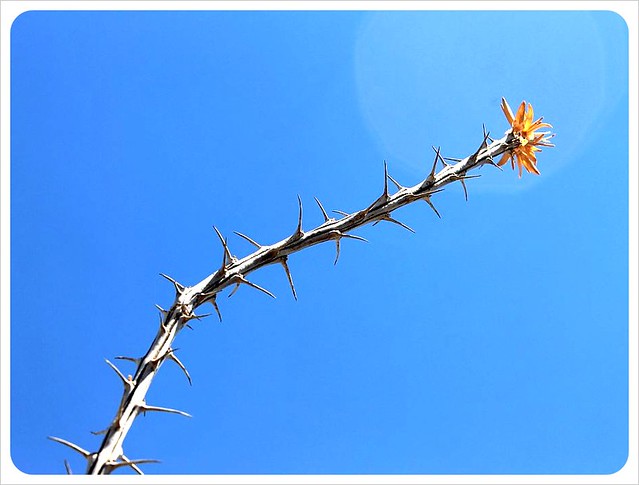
494 340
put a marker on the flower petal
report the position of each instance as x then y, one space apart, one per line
504 158
519 116
519 164
532 167
507 111
529 117
525 156
538 124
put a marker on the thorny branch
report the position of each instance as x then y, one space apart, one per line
233 272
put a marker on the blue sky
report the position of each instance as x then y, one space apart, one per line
494 340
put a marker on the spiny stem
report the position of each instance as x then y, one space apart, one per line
233 271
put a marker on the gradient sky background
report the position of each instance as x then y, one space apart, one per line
491 341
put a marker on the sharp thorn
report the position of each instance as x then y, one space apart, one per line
324 214
217 309
145 407
486 137
298 230
382 199
338 235
73 446
253 285
465 190
67 467
427 199
395 182
284 263
193 316
136 360
486 133
395 221
98 433
353 236
436 191
171 355
132 465
188 326
228 257
211 298
179 288
127 383
162 310
490 161
473 157
385 194
237 285
244 236
112 465
341 213
220 237
438 155
431 175
452 159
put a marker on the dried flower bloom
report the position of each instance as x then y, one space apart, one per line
523 128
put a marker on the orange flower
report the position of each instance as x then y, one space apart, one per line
524 129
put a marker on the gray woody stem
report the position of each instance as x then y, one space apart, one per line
233 272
